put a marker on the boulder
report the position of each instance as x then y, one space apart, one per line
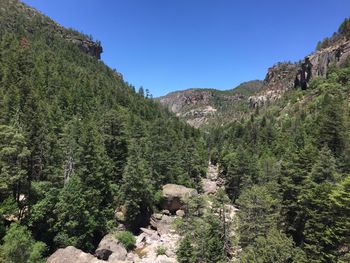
209 186
163 226
166 212
165 259
72 255
173 196
180 213
110 245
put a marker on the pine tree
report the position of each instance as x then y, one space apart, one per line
135 192
185 252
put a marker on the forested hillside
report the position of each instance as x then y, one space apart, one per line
287 169
92 170
76 142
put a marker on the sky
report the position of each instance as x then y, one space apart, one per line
168 45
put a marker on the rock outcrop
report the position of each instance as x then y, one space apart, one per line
173 196
285 76
72 255
203 106
86 45
110 247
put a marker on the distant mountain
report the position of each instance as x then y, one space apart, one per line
199 107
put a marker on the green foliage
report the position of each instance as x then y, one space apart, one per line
258 213
185 252
68 130
127 239
160 250
275 247
20 247
285 165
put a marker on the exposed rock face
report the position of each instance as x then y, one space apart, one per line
72 255
285 76
202 106
173 195
109 246
88 46
278 80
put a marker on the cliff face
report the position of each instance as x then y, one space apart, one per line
205 106
285 76
32 21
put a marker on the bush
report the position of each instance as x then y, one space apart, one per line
161 250
127 239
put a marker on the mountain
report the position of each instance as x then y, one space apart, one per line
93 171
200 107
77 142
286 76
18 17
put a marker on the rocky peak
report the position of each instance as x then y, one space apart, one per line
285 76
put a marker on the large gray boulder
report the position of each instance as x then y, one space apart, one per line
72 255
173 196
108 246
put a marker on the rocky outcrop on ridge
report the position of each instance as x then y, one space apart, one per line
285 76
202 106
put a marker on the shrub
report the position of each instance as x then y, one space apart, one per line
127 239
161 250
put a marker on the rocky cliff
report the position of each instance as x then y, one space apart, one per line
207 106
32 21
284 76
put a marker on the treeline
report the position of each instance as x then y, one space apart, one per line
343 32
287 168
76 142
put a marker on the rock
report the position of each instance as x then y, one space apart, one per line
180 213
209 186
173 195
72 255
166 212
147 231
165 259
163 226
157 216
108 245
120 216
284 76
115 258
86 45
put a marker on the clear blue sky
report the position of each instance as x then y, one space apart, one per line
167 45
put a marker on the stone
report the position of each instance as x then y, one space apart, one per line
163 226
71 254
120 216
115 258
157 216
147 231
173 196
110 245
209 186
166 212
165 259
180 213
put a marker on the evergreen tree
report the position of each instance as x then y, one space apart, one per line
185 252
135 192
